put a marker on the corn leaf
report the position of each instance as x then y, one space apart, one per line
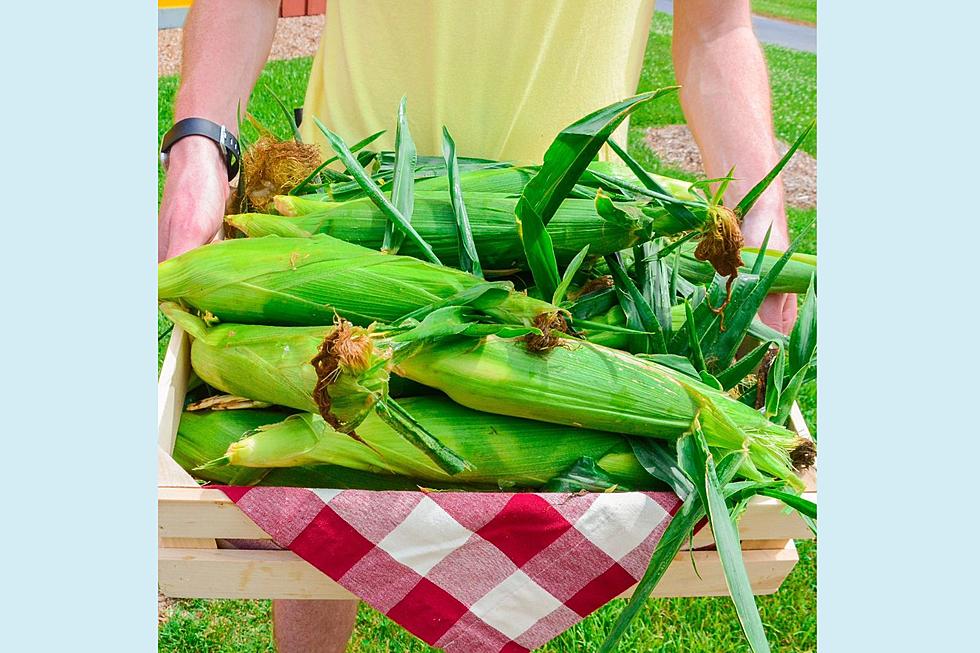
789 393
803 506
654 282
674 362
290 117
435 166
626 189
403 183
677 532
743 307
322 168
729 546
674 275
693 339
669 249
570 272
469 259
371 189
747 202
743 366
657 460
584 475
592 304
567 157
761 256
639 315
675 207
774 383
708 379
399 419
803 338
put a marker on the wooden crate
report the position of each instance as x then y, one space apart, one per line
190 518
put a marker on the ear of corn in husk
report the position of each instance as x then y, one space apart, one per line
793 278
505 451
307 281
204 436
581 385
577 223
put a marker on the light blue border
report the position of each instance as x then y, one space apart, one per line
77 319
898 238
899 233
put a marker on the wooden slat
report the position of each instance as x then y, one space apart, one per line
766 519
171 388
200 512
235 574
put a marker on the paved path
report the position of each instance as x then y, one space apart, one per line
769 30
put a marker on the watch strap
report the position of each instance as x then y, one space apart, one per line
225 140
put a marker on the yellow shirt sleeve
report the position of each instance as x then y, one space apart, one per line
504 76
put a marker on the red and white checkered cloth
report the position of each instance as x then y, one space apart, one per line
470 572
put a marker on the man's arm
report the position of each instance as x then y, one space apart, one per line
725 97
226 43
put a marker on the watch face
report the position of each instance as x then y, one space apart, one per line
164 159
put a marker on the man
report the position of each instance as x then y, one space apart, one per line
504 76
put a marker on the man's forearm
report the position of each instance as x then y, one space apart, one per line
726 100
226 43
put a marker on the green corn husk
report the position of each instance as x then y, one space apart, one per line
510 180
204 436
591 386
503 181
581 384
262 363
308 281
793 278
576 224
676 187
506 452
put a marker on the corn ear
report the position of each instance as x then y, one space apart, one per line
793 278
491 216
309 281
505 451
206 435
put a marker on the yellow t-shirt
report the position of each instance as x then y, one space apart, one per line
504 76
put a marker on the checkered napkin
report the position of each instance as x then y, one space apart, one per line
470 572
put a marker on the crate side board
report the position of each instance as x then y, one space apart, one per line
236 574
201 512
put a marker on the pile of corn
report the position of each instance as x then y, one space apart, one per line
367 368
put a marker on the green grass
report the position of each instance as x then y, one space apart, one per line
792 75
667 625
704 625
800 11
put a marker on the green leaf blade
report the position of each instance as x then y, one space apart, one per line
403 182
371 190
469 259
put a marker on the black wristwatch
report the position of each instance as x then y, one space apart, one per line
226 141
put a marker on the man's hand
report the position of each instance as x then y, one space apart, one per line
777 311
226 43
194 197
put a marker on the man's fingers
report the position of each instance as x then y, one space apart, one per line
789 313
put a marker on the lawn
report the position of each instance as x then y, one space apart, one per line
797 11
667 625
